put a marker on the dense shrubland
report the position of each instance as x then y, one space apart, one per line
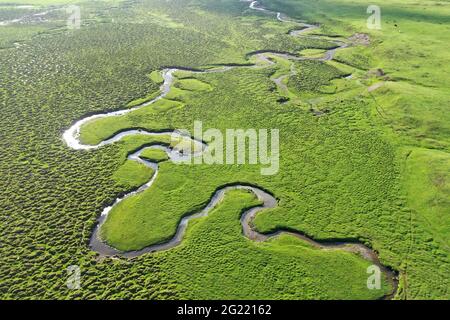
311 75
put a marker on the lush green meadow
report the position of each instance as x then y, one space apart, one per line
411 49
363 166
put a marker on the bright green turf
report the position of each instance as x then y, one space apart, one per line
132 173
427 182
192 84
155 155
411 48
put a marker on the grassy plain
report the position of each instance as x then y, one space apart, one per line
410 106
374 168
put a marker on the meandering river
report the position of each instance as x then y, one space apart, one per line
72 138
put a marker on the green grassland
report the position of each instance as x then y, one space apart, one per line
284 268
373 169
411 50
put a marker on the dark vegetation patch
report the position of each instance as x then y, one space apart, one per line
311 75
